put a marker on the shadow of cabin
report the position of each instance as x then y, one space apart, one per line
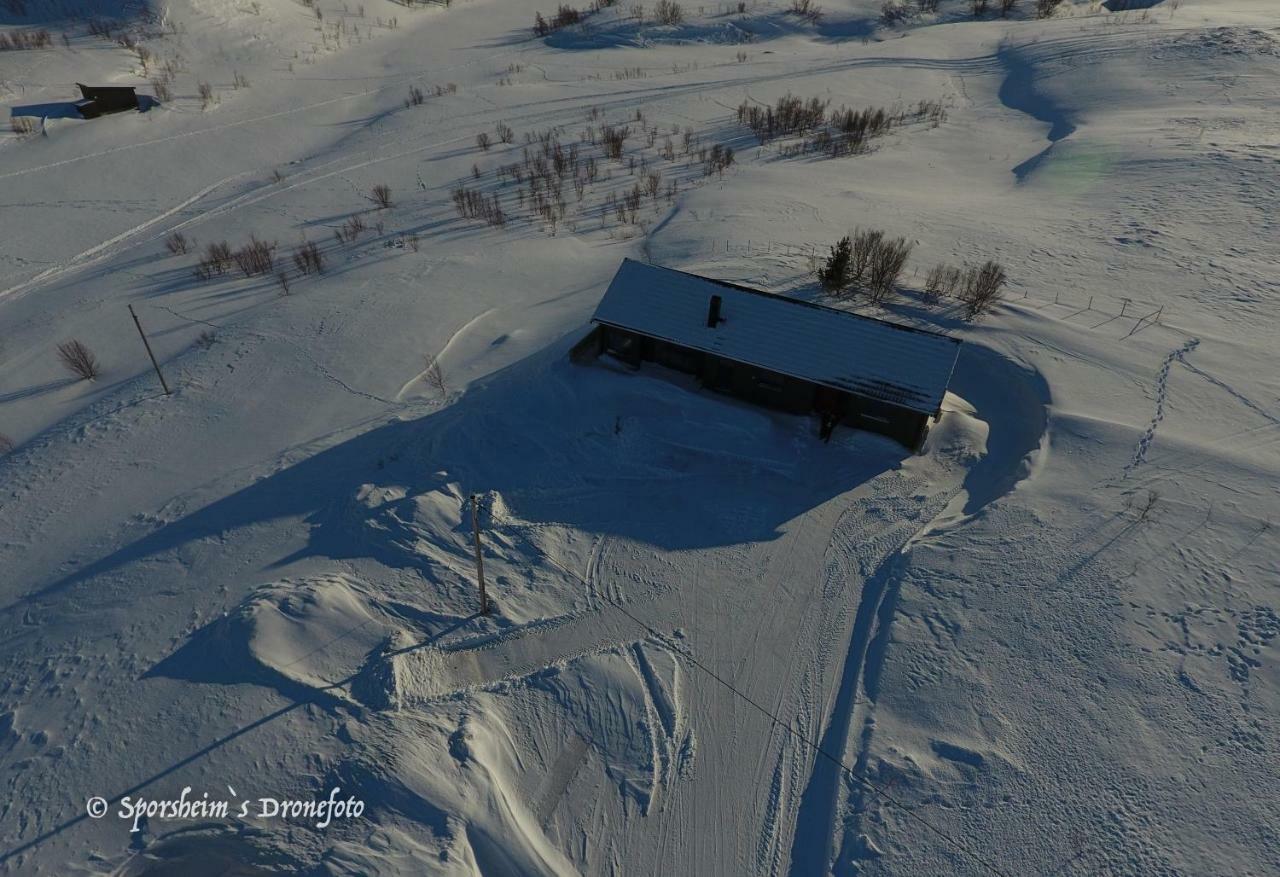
775 351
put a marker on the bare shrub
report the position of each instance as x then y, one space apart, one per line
416 97
982 288
178 243
381 195
308 259
160 88
19 40
435 377
239 80
474 204
927 5
256 257
943 280
482 140
806 9
613 138
887 261
352 229
717 159
282 278
564 17
865 244
1046 8
216 261
893 12
22 125
668 12
505 134
78 359
205 91
1007 6
6 444
978 7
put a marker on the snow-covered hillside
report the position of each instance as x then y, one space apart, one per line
1046 644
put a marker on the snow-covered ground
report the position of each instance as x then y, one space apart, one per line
1045 645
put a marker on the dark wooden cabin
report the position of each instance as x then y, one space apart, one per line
102 99
776 351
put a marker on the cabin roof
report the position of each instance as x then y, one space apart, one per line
897 364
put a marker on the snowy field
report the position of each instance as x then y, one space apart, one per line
1044 645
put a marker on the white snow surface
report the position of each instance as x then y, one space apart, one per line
1046 644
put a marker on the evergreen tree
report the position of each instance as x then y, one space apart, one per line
834 275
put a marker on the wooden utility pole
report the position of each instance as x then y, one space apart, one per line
147 344
475 530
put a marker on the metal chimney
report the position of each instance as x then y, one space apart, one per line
713 313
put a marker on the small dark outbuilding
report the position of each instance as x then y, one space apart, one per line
102 99
777 351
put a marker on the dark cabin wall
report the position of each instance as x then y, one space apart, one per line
768 388
759 385
902 424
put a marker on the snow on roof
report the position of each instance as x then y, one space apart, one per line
896 364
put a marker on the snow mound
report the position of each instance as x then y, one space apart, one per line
300 636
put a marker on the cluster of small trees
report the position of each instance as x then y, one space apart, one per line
870 264
716 159
178 244
474 204
805 9
613 140
839 132
978 287
668 12
549 165
566 16
19 40
308 259
790 115
894 11
867 262
258 257
351 229
254 258
216 261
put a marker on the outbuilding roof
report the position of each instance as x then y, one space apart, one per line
873 358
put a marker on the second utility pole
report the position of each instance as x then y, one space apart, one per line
475 530
147 344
